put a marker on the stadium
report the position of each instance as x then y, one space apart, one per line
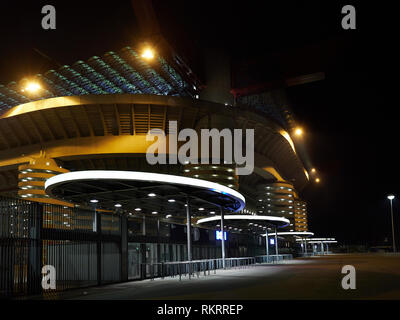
78 193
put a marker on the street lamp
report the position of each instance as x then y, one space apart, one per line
148 54
391 197
298 132
31 87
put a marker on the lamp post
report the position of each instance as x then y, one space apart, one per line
188 231
391 197
276 243
189 235
266 244
222 237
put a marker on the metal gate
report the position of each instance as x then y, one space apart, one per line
84 246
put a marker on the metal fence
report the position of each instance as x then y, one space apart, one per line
308 254
86 248
20 247
204 267
192 268
315 253
82 245
273 258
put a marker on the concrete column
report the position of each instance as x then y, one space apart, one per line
158 241
98 246
322 247
266 244
276 242
124 248
305 242
144 226
143 254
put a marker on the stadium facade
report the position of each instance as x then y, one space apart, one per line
94 115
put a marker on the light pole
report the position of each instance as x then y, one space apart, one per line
276 243
188 232
222 237
391 197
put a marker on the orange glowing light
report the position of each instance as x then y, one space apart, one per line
298 132
148 54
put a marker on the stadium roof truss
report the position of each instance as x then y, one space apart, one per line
112 73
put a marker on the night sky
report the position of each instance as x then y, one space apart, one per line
350 119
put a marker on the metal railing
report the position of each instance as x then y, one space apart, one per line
203 267
315 253
273 258
192 268
304 254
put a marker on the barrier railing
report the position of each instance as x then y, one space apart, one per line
308 254
315 253
273 258
203 267
191 268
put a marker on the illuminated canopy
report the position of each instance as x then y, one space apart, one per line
131 189
318 239
325 241
254 223
295 233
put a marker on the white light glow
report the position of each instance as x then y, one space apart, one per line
146 177
270 219
294 233
319 239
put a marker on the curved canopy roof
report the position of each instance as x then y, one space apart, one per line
252 223
318 239
303 234
143 191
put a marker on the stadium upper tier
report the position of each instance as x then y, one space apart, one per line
113 73
84 127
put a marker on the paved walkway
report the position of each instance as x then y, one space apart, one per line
377 277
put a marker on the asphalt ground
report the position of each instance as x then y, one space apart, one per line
314 278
